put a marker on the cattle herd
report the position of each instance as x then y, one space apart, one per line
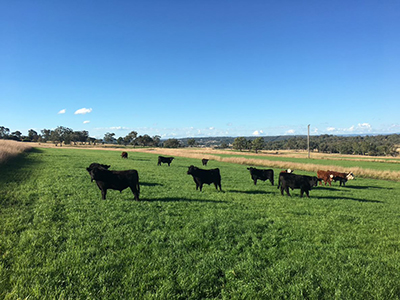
120 180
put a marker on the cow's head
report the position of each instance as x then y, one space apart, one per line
350 176
94 168
191 170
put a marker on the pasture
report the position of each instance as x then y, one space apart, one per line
59 240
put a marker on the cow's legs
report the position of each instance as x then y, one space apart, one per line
135 192
103 194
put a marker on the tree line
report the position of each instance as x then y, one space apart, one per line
66 136
382 145
362 145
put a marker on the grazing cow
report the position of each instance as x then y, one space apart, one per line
341 177
204 161
124 154
293 181
261 174
115 180
165 160
325 176
201 176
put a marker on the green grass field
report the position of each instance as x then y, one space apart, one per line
59 240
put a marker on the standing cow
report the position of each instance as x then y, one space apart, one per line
115 180
293 181
204 161
164 160
261 174
124 154
201 176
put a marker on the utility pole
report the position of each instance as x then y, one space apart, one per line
308 141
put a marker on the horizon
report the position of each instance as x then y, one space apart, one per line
201 69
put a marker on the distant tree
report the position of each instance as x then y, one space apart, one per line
120 141
33 135
191 142
156 140
172 143
223 145
16 135
4 132
129 139
91 140
144 140
46 133
239 143
109 138
257 144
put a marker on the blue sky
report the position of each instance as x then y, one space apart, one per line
200 68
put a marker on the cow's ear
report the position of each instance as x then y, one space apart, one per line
88 169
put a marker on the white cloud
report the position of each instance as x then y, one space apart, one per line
331 129
351 128
365 126
83 111
258 132
290 131
62 111
85 122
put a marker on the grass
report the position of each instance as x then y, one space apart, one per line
10 149
59 240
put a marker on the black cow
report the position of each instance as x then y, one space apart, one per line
201 176
124 154
115 180
261 174
293 181
97 165
165 160
204 161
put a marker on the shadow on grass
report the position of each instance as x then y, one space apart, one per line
347 198
249 192
366 187
327 188
16 169
168 199
150 184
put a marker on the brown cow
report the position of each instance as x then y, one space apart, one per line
124 154
325 176
342 177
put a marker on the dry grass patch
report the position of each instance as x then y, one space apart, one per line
9 149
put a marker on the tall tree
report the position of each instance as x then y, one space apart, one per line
239 143
129 139
191 142
33 135
4 132
172 143
257 144
109 138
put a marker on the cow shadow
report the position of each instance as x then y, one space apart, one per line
348 198
253 192
356 187
150 184
138 159
169 199
327 188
